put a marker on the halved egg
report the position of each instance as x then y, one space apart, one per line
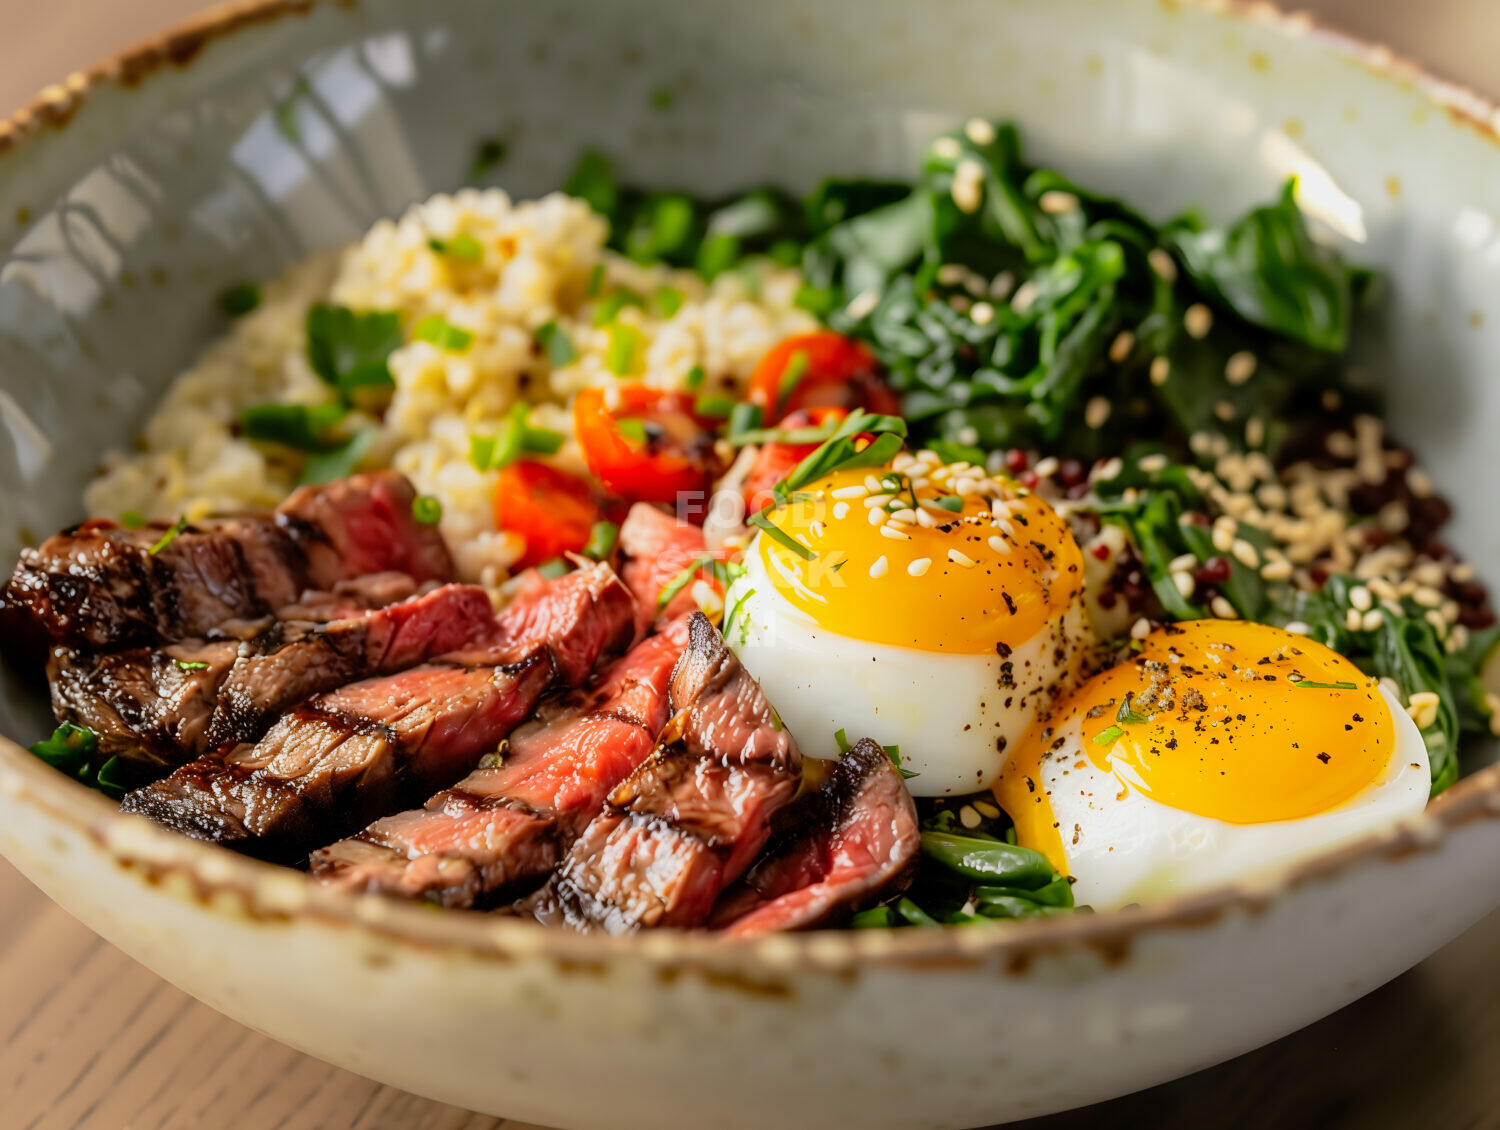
928 606
1221 749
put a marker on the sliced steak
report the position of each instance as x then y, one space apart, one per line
344 758
169 705
691 819
100 585
855 839
506 825
657 548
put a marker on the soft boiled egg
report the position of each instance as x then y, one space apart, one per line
1221 749
928 606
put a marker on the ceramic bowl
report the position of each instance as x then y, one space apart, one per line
130 195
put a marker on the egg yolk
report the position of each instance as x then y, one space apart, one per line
902 558
1230 720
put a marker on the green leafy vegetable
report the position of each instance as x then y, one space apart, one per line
72 749
338 462
348 349
839 450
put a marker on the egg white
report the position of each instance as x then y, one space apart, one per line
1123 847
949 713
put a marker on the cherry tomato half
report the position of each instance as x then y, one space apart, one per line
823 369
644 444
775 461
554 511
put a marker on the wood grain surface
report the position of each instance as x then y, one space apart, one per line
93 1041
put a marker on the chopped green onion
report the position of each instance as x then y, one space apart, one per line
780 535
1314 686
668 300
632 429
1129 715
624 341
717 406
554 568
695 378
733 617
447 337
1112 734
745 417
170 536
717 254
463 246
185 665
427 510
682 579
132 519
791 376
514 438
610 306
240 300
602 539
842 738
556 343
786 252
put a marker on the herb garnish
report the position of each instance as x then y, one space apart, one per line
840 452
704 561
1128 715
777 533
1312 685
513 439
1109 735
443 334
185 665
427 510
170 536
602 539
555 343
463 247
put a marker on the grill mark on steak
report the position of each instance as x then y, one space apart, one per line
854 840
144 704
690 819
345 757
505 826
98 585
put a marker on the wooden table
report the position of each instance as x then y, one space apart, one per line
93 1041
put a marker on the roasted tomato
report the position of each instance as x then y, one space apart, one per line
554 511
819 370
775 461
643 444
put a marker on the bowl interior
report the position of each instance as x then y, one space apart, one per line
121 222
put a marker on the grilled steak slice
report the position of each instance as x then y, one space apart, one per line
99 585
344 758
657 548
689 821
506 825
169 705
856 838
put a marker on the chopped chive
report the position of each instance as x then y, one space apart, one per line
170 536
240 300
553 568
624 341
447 337
514 438
744 417
427 510
842 738
462 246
632 429
716 406
1109 735
132 519
791 376
611 305
695 378
1316 686
602 539
682 579
184 665
732 618
1129 715
556 343
782 536
668 300
949 502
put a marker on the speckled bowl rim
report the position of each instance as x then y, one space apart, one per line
225 882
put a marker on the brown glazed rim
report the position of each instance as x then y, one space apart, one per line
224 882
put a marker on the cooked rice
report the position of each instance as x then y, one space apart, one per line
535 267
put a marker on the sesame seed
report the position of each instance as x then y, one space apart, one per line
1463 573
1096 412
1427 597
862 303
979 131
1120 348
1161 369
1340 445
1163 264
947 148
925 519
817 528
968 185
998 544
1240 367
841 510
894 534
1057 203
1223 609
1185 584
982 313
919 567
1458 638
872 485
1110 469
1140 629
1198 319
960 303
1360 597
851 492
1423 708
968 817
960 558
1245 553
1152 464
880 567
